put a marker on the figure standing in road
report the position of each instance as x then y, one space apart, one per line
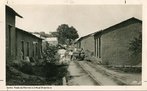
71 54
61 53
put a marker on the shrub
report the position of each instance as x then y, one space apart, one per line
132 69
16 64
54 71
23 66
49 53
50 66
27 68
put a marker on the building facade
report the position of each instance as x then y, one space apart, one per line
20 43
28 44
111 45
85 41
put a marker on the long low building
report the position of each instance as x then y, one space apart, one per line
28 44
20 43
111 45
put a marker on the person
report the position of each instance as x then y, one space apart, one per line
61 53
71 54
82 54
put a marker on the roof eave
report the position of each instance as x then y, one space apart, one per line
18 15
12 10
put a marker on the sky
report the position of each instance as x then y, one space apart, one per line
85 18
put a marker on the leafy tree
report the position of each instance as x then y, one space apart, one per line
136 45
66 34
50 53
42 33
136 49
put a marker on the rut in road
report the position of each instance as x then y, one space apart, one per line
77 76
101 78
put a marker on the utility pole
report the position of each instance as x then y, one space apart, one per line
125 1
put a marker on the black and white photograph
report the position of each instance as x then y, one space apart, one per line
73 45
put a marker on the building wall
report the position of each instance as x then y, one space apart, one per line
115 45
14 38
10 18
97 46
10 35
77 44
31 50
88 44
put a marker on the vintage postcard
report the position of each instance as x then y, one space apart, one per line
73 45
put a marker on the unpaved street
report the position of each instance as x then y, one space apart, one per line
77 76
81 73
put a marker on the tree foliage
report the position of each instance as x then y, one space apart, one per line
66 34
50 53
136 45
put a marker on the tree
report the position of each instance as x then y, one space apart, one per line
136 45
66 34
136 49
50 53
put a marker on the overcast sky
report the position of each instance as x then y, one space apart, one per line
85 18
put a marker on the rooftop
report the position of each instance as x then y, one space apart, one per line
9 9
118 25
18 29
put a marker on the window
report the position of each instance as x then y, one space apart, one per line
96 47
9 37
41 49
36 48
22 49
16 45
99 47
33 49
28 49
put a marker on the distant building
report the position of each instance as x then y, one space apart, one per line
111 45
39 36
20 43
86 42
50 40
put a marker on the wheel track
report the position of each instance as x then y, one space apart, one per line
106 80
89 73
114 77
